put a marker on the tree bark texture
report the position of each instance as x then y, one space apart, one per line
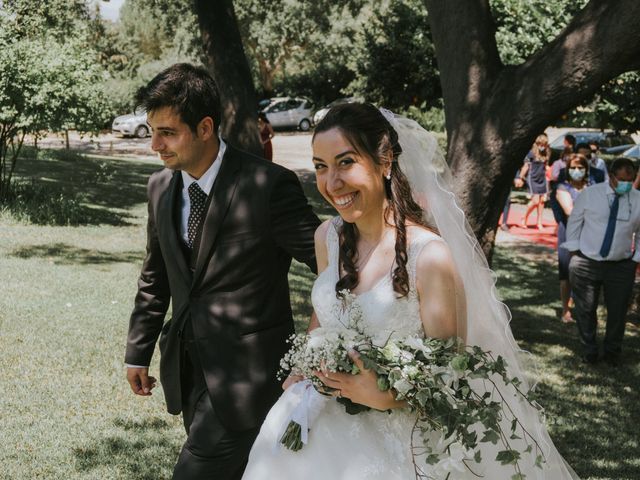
228 64
494 112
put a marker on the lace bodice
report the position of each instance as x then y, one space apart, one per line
383 314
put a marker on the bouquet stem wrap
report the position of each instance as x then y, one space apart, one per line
310 405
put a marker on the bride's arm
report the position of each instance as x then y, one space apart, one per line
440 290
320 243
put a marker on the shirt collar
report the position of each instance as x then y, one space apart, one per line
205 182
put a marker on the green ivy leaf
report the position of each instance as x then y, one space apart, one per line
432 459
508 457
491 436
383 384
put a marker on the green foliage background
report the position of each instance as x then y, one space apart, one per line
378 50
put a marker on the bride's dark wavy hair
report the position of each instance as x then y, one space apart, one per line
371 135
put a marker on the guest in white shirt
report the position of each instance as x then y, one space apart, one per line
602 227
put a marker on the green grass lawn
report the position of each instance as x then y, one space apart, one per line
66 411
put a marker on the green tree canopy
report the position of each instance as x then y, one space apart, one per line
49 78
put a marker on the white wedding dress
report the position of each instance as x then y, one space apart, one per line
372 445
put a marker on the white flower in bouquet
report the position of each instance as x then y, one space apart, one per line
417 344
391 352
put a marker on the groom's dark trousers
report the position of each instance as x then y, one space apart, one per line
211 450
231 312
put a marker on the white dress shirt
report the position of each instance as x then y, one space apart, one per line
588 223
206 184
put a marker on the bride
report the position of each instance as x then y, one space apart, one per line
402 248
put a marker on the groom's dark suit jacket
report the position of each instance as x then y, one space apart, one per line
236 297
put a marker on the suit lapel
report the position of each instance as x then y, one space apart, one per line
168 231
222 193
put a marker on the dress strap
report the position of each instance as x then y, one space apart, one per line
333 241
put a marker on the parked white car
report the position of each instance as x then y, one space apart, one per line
132 124
288 112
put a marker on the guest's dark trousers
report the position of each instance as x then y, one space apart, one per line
505 210
211 452
616 278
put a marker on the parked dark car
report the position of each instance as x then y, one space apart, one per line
610 142
264 103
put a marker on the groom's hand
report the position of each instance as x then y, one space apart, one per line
140 381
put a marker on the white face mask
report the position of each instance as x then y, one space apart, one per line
577 174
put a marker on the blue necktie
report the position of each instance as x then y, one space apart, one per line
611 228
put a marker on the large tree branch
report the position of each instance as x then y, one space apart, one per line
600 43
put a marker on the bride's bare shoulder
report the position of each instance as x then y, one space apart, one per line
432 251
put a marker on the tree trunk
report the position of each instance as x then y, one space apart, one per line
266 77
228 64
494 112
15 153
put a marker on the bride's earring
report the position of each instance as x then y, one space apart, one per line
388 175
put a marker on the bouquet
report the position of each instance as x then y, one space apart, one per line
458 392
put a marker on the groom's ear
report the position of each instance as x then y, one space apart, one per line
205 128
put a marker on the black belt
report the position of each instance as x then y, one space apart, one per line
582 255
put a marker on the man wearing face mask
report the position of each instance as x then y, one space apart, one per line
600 234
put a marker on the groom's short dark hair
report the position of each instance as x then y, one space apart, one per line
187 89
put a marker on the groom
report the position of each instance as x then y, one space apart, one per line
222 228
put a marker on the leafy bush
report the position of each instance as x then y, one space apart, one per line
431 119
41 204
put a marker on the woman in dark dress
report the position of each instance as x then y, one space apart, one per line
577 176
534 173
266 134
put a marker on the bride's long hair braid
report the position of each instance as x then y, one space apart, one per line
369 132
